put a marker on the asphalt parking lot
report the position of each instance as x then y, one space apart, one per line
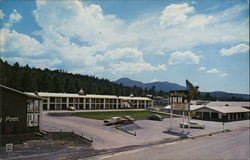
107 137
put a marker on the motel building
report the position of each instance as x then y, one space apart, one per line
222 113
19 116
216 113
82 101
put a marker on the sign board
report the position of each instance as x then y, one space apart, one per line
9 147
179 106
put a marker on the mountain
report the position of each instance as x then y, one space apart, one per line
164 86
220 94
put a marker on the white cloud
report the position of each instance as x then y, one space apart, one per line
13 18
154 80
217 72
186 57
213 71
199 21
122 53
84 37
1 14
202 69
12 41
40 63
175 14
222 75
240 48
132 68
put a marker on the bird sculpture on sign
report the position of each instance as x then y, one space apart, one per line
192 90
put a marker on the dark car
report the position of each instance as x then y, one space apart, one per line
155 117
150 109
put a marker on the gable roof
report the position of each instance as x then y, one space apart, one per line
226 109
19 92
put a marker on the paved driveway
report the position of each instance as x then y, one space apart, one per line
107 137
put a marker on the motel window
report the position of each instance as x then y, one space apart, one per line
52 107
63 106
32 120
58 100
44 107
87 106
52 99
87 100
64 100
101 100
81 100
70 100
75 100
97 100
80 106
45 100
58 106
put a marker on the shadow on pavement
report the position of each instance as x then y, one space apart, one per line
176 133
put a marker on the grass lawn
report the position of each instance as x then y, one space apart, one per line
104 115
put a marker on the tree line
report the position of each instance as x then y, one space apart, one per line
27 79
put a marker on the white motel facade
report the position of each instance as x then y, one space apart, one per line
81 101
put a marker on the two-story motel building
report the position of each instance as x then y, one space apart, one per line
81 101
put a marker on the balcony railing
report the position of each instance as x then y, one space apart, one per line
33 109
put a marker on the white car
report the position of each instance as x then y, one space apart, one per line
192 124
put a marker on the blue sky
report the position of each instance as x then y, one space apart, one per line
206 42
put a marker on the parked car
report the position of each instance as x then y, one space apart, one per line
71 108
119 120
192 125
156 117
129 119
150 109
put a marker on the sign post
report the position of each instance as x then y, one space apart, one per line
180 101
9 148
189 117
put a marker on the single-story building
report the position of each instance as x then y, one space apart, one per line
222 113
218 113
19 115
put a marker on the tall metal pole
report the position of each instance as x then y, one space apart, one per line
171 116
188 117
182 121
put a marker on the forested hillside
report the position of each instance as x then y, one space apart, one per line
28 79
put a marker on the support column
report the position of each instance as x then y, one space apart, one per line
67 102
90 106
104 103
84 104
48 103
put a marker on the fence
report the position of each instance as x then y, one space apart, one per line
71 131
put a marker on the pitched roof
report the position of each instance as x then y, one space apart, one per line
23 93
72 95
226 109
229 103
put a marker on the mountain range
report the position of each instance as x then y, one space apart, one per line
167 86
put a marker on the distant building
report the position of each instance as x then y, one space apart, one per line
19 115
81 101
160 101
